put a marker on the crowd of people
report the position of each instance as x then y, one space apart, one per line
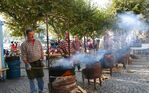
75 45
14 49
33 56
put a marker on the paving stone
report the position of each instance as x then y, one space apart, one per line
137 82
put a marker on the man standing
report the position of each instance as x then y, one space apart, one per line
32 55
64 46
108 42
89 46
77 46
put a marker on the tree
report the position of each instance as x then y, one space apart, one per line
22 14
137 6
30 13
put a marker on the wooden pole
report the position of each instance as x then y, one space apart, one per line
68 38
49 64
31 67
84 38
49 84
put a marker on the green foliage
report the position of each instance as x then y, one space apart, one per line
22 14
79 14
137 6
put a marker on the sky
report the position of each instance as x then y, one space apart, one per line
1 18
101 3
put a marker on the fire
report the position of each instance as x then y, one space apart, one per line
108 56
67 74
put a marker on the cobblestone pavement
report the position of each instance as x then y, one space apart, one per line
137 82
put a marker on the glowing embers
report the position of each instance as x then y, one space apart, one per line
67 74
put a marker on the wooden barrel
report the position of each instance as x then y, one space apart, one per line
92 71
64 84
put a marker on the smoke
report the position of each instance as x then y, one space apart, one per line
81 58
130 21
63 63
130 28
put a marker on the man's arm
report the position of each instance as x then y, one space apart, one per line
73 44
25 61
24 54
59 48
80 44
24 57
42 55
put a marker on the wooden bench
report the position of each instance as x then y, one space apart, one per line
4 69
1 70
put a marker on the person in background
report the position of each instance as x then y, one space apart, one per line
82 46
11 44
13 47
15 43
32 55
108 42
53 46
57 42
63 47
77 46
95 45
107 61
89 46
